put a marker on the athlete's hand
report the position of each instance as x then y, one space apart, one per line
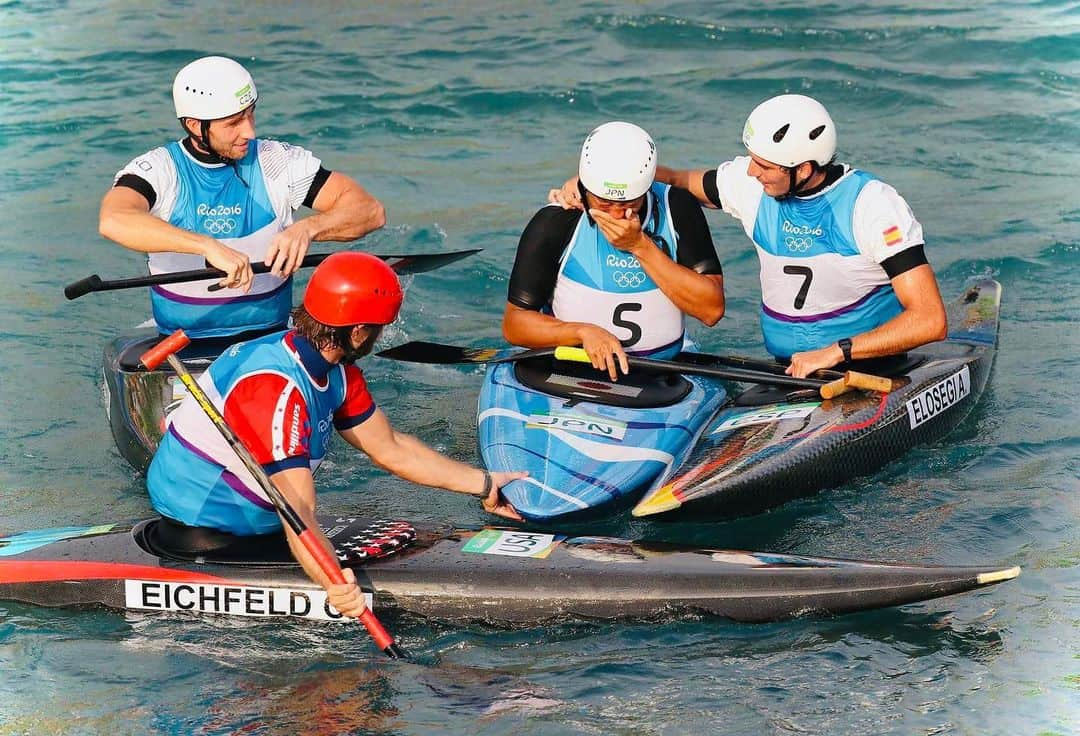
235 264
287 249
803 364
347 598
622 232
569 198
494 503
604 350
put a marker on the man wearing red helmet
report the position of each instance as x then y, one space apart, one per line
283 394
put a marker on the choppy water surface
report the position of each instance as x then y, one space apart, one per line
459 117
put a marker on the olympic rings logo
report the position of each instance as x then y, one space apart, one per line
219 225
628 279
798 244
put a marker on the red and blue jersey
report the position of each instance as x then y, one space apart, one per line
282 399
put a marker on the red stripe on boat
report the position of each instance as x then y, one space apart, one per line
867 423
50 571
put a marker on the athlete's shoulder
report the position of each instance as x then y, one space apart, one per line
878 192
548 231
274 147
150 165
259 351
555 217
681 198
273 341
287 165
685 210
551 223
737 192
735 168
354 377
357 406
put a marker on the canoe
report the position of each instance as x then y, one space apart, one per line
495 575
768 447
589 445
137 400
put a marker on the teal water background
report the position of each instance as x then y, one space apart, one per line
459 117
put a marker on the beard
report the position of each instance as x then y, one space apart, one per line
351 354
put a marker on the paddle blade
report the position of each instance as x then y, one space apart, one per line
419 351
428 262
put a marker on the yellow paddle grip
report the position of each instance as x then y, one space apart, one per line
576 355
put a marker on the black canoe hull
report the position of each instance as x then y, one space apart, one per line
755 458
492 575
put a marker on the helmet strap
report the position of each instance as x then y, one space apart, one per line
793 185
200 145
201 142
204 141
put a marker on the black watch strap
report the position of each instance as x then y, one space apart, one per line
845 348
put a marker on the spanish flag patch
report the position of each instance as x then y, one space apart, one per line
892 235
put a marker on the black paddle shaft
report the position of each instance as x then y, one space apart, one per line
432 352
731 374
404 264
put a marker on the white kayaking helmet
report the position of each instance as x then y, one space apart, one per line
213 87
618 162
789 130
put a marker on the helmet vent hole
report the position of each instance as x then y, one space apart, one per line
816 132
779 135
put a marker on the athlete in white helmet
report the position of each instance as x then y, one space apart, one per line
221 196
621 276
843 272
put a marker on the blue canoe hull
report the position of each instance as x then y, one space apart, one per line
585 457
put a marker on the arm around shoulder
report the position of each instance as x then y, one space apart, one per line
692 180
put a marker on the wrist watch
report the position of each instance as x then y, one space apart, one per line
845 348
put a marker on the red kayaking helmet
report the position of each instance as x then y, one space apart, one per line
350 288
